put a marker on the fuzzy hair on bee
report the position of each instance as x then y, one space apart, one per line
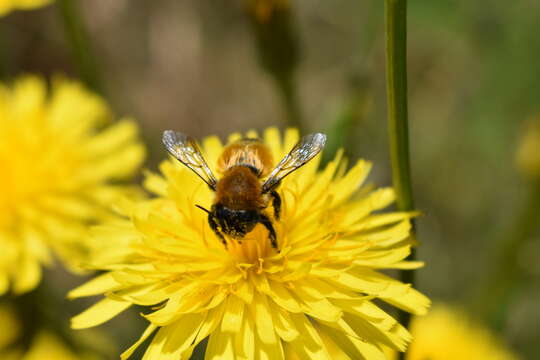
248 181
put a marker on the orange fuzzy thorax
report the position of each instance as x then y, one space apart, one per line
240 189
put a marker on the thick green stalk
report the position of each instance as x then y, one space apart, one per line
78 40
396 67
396 79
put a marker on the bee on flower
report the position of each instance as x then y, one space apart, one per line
61 165
298 288
240 196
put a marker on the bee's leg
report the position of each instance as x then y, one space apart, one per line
215 227
263 219
276 203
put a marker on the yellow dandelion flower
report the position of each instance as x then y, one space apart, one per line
263 9
44 345
7 6
48 346
10 328
528 154
60 168
448 334
315 294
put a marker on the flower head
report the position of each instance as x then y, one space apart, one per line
528 154
252 301
43 345
264 9
7 6
447 334
58 162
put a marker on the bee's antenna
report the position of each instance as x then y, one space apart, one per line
203 209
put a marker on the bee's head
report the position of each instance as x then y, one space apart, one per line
235 223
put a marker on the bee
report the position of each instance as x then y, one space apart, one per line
242 196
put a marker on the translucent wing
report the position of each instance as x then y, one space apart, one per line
185 149
301 153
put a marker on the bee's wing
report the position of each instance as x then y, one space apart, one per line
301 153
185 149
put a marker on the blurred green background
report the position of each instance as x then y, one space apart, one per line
474 81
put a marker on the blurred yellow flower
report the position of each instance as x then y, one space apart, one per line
44 345
447 334
9 328
317 293
263 9
6 6
528 154
48 346
60 164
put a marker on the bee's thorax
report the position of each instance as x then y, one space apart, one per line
240 189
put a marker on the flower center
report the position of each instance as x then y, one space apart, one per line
253 248
29 168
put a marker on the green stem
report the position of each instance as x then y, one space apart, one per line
287 89
77 37
396 68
